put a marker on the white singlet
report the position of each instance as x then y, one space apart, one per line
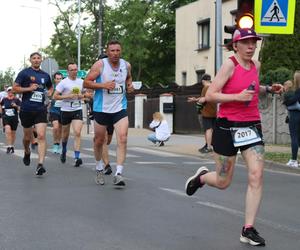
111 101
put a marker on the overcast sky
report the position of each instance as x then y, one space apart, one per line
20 30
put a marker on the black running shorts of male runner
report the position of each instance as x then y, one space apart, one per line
222 140
54 117
68 116
11 121
30 118
109 119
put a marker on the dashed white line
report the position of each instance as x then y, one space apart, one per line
154 162
154 152
237 213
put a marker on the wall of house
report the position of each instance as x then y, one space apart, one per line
188 58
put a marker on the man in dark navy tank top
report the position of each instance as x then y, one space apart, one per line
35 86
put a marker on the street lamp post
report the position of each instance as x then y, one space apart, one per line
218 43
100 47
78 35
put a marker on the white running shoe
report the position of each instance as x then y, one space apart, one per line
99 179
118 180
293 163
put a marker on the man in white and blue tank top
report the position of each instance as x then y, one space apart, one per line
110 78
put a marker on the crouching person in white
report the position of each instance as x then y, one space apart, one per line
161 129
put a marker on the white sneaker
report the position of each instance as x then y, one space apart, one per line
293 163
118 180
99 179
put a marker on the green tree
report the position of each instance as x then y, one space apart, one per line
6 77
282 50
145 28
147 32
64 43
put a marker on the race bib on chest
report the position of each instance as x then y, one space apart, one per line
36 96
57 104
75 104
244 136
9 112
116 90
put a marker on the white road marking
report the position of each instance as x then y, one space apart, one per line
237 213
154 152
34 155
200 163
174 191
113 153
154 162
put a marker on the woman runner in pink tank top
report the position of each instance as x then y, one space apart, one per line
238 127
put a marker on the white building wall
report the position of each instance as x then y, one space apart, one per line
188 59
139 110
166 98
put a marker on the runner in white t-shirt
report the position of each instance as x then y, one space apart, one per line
70 92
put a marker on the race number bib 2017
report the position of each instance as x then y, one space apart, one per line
116 90
36 96
244 136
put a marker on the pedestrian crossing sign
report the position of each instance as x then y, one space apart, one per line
274 16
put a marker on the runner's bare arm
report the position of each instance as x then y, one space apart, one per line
58 96
129 85
95 71
19 90
214 94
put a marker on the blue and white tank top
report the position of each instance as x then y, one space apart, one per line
111 101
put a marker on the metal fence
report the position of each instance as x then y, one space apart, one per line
150 106
186 119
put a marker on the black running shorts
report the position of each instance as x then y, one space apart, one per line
54 117
68 116
30 118
11 121
109 119
222 140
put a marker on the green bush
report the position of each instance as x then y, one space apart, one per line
279 75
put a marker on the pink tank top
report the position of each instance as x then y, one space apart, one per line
240 80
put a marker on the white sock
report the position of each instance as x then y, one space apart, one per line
119 169
99 165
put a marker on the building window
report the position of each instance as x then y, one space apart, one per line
199 74
203 34
183 80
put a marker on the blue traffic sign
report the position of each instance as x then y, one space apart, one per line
274 12
274 16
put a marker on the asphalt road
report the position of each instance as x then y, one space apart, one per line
65 209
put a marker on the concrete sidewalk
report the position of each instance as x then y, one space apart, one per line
188 145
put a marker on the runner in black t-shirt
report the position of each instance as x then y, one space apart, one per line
34 85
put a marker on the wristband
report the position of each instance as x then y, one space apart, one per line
269 89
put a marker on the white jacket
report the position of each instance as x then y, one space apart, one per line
162 131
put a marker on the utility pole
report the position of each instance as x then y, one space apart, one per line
78 35
100 24
218 43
